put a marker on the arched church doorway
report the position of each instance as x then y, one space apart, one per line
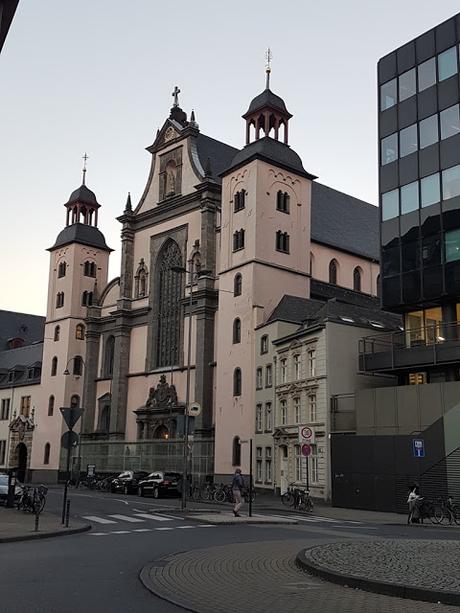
161 433
21 454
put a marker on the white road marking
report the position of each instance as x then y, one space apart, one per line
154 517
99 520
132 520
143 530
163 528
120 532
120 500
172 517
184 527
98 533
207 526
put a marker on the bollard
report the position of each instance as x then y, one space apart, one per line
37 518
67 513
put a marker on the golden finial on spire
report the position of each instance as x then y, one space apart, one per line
268 59
85 157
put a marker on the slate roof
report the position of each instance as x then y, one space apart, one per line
344 222
325 291
84 195
82 234
31 328
20 360
309 313
270 150
295 309
267 99
219 154
22 356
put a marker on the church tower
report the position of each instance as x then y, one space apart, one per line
265 246
78 267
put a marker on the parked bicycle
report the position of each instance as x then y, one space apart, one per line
32 500
297 497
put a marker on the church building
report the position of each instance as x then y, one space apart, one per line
217 239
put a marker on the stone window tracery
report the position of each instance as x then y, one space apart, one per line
169 293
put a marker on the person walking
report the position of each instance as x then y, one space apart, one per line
237 487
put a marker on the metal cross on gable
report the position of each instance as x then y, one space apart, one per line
175 95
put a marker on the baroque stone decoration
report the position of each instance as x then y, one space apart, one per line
162 396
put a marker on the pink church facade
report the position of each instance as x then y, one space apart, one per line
239 222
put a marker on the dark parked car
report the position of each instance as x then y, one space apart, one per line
4 488
127 481
160 483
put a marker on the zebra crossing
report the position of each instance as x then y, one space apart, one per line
329 521
115 519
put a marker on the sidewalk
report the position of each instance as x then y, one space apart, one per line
270 502
18 526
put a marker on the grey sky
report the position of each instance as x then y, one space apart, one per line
97 76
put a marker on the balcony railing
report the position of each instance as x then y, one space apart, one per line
434 344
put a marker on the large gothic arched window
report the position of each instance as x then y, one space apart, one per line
168 287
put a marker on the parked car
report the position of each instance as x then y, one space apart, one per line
4 488
160 483
127 481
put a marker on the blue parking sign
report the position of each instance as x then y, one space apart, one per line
418 447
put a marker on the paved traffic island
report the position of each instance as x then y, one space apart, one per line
417 569
18 526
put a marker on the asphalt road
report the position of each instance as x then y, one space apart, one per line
99 571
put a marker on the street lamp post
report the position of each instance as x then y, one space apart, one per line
182 270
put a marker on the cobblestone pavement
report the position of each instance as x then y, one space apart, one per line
263 578
426 564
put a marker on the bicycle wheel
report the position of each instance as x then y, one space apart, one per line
439 514
219 496
287 499
456 515
205 493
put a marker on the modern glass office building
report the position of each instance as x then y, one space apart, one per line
419 187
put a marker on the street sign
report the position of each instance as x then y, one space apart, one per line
306 435
91 470
194 409
69 439
306 450
71 415
418 447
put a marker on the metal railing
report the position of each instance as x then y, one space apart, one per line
436 336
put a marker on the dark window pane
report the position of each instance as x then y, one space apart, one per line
410 259
447 63
390 261
409 197
390 204
450 122
427 74
429 131
411 287
391 289
431 250
408 142
389 148
432 282
388 95
452 245
451 182
430 192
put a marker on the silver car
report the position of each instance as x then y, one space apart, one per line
4 488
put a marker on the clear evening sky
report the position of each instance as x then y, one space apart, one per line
97 76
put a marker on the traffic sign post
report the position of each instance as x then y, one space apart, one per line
306 439
68 440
